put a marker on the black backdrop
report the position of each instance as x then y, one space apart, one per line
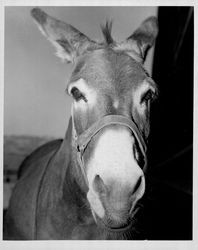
169 211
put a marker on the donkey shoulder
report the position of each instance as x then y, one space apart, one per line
37 154
19 221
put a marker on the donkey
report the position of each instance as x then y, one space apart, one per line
89 185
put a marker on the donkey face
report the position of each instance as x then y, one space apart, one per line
108 78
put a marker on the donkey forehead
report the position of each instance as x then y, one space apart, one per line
106 68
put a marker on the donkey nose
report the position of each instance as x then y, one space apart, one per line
134 191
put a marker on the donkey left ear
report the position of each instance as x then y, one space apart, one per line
68 41
144 37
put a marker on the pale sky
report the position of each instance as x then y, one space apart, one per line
35 102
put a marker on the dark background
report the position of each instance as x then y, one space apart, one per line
170 151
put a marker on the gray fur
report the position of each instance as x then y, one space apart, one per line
49 200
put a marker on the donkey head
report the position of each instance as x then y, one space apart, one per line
108 79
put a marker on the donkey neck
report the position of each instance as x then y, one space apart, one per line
73 179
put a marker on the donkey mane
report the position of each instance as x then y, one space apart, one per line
106 31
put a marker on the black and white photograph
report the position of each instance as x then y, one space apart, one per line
98 111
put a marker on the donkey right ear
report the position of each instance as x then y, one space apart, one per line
68 41
142 39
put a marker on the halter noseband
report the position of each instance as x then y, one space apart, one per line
83 139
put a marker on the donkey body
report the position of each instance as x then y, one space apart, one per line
88 185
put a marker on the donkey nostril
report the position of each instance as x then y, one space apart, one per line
139 188
98 185
137 185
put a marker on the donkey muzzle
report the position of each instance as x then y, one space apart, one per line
83 140
118 201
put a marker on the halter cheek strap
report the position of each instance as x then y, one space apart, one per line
83 140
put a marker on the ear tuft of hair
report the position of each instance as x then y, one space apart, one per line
106 31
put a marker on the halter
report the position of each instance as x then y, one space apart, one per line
83 139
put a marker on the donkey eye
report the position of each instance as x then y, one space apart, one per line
147 96
77 95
